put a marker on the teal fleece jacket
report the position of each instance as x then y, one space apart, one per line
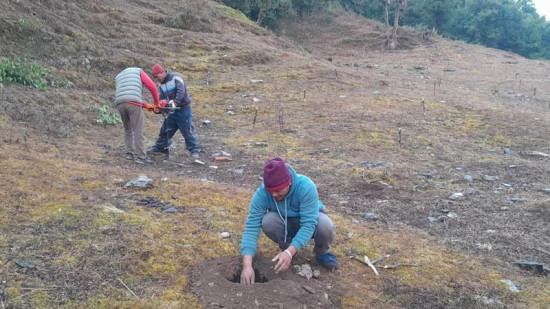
302 200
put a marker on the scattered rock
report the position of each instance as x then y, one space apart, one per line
371 216
309 289
256 81
238 171
171 210
469 192
456 196
256 100
517 199
110 208
207 122
260 144
452 215
24 264
487 247
545 190
230 112
534 154
304 271
225 235
507 151
198 162
141 182
511 285
532 266
490 178
468 178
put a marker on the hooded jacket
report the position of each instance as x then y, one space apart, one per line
302 201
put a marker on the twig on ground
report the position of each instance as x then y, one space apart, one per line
365 260
380 259
38 289
398 265
128 288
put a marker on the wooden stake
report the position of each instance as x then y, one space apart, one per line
399 137
255 115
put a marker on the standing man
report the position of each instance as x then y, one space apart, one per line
129 103
287 208
173 88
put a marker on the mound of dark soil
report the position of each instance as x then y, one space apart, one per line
216 283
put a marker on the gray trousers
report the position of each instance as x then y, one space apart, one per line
134 125
274 228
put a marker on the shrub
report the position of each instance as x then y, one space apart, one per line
106 116
22 72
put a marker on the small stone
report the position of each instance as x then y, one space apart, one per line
490 178
24 264
309 289
198 162
225 235
238 171
316 273
230 112
171 210
456 196
164 179
545 190
211 284
507 151
511 285
371 216
207 122
468 178
452 215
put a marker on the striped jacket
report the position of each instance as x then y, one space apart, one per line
173 88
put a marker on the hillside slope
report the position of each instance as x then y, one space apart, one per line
390 133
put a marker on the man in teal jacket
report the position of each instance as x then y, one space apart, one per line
287 208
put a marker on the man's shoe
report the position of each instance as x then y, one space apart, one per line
129 156
154 150
144 160
328 261
195 155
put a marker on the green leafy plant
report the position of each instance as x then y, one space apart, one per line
106 116
18 71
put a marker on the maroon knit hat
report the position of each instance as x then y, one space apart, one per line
157 69
276 175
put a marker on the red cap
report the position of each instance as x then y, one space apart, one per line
276 175
157 69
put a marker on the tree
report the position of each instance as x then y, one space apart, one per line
400 7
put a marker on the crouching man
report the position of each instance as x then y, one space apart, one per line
287 208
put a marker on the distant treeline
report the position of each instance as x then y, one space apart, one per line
512 25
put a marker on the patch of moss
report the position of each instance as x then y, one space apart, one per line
237 15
